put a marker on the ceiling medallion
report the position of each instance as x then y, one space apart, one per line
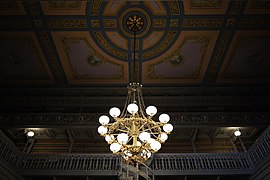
135 23
141 14
134 133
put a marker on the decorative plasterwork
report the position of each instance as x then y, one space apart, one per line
112 7
247 59
205 7
185 62
11 8
197 119
257 7
156 7
152 39
63 7
85 63
67 23
118 39
22 59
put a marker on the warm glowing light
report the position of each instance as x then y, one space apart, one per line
164 118
163 137
115 147
237 133
168 128
30 133
102 130
151 110
114 112
144 136
109 138
155 145
122 138
132 108
104 119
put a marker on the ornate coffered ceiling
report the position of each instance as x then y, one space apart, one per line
182 43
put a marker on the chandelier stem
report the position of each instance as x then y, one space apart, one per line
135 133
134 57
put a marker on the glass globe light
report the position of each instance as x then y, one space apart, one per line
132 108
237 133
155 145
163 137
114 112
144 136
168 128
146 154
102 130
164 118
150 140
109 138
128 153
138 143
122 138
149 154
104 119
30 133
115 147
151 110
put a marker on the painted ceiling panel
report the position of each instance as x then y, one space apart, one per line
185 62
257 7
84 62
11 8
22 60
248 58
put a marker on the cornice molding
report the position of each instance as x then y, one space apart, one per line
189 119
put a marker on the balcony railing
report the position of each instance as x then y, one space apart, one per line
201 163
162 164
69 164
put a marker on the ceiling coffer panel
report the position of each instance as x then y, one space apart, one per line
85 63
22 60
185 62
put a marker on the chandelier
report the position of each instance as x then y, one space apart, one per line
133 133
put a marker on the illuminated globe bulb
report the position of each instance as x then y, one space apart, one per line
128 153
150 140
138 143
115 147
164 118
163 137
102 130
104 119
168 128
122 138
30 133
132 108
144 136
149 154
155 145
109 138
237 133
151 110
114 112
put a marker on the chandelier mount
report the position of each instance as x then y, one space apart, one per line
134 23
